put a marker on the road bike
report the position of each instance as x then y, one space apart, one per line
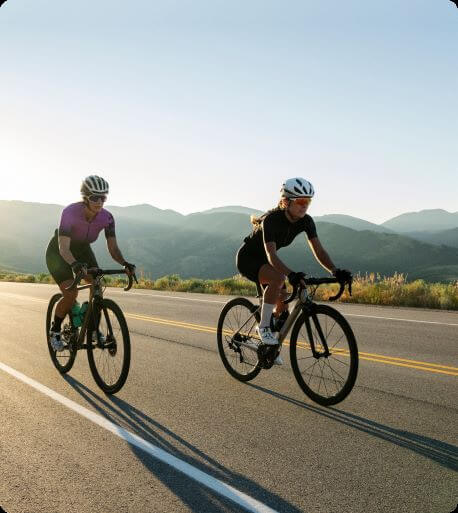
105 329
322 346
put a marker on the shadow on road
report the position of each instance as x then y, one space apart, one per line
441 452
194 495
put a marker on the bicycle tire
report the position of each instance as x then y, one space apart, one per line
102 357
69 354
332 378
225 335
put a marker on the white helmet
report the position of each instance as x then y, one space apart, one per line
297 188
94 185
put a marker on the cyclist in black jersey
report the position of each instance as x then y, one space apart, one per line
257 258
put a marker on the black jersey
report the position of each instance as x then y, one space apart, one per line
276 227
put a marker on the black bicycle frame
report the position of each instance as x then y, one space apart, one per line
95 298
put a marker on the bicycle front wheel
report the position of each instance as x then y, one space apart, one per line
326 377
237 339
108 346
63 360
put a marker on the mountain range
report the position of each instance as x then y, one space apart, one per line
203 244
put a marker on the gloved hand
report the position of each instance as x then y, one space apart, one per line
130 268
343 275
78 267
295 278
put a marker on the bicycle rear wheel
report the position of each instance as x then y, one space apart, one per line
62 360
326 379
237 339
108 346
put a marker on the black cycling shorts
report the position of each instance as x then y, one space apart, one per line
60 270
249 264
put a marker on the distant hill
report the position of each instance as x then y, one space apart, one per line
352 222
236 209
367 251
147 213
441 237
425 220
229 224
204 244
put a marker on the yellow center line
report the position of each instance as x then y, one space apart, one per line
389 360
373 357
409 360
380 360
168 322
366 356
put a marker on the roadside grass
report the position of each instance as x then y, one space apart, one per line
372 288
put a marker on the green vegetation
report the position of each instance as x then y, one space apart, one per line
370 289
397 291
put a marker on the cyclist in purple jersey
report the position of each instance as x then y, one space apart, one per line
74 223
69 251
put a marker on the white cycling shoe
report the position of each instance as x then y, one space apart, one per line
278 360
56 341
266 336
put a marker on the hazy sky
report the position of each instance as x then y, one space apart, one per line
195 104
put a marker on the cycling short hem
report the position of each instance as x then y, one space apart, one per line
248 265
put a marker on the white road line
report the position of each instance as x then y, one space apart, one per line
18 296
180 297
160 296
399 319
214 484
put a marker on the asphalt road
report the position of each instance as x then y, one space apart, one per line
182 435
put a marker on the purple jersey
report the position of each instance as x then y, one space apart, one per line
73 224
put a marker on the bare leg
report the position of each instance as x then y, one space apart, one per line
280 306
274 280
273 295
66 303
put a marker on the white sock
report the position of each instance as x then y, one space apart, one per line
266 314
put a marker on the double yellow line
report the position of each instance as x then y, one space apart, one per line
372 357
389 360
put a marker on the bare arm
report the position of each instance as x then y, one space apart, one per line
321 254
114 250
274 260
64 249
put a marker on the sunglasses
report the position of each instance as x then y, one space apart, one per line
302 201
96 197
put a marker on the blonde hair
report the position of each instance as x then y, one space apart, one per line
256 221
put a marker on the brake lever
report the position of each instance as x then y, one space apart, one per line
75 281
342 288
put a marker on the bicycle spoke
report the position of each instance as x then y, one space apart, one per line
340 361
340 338
235 328
328 379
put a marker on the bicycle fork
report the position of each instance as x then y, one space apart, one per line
309 312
